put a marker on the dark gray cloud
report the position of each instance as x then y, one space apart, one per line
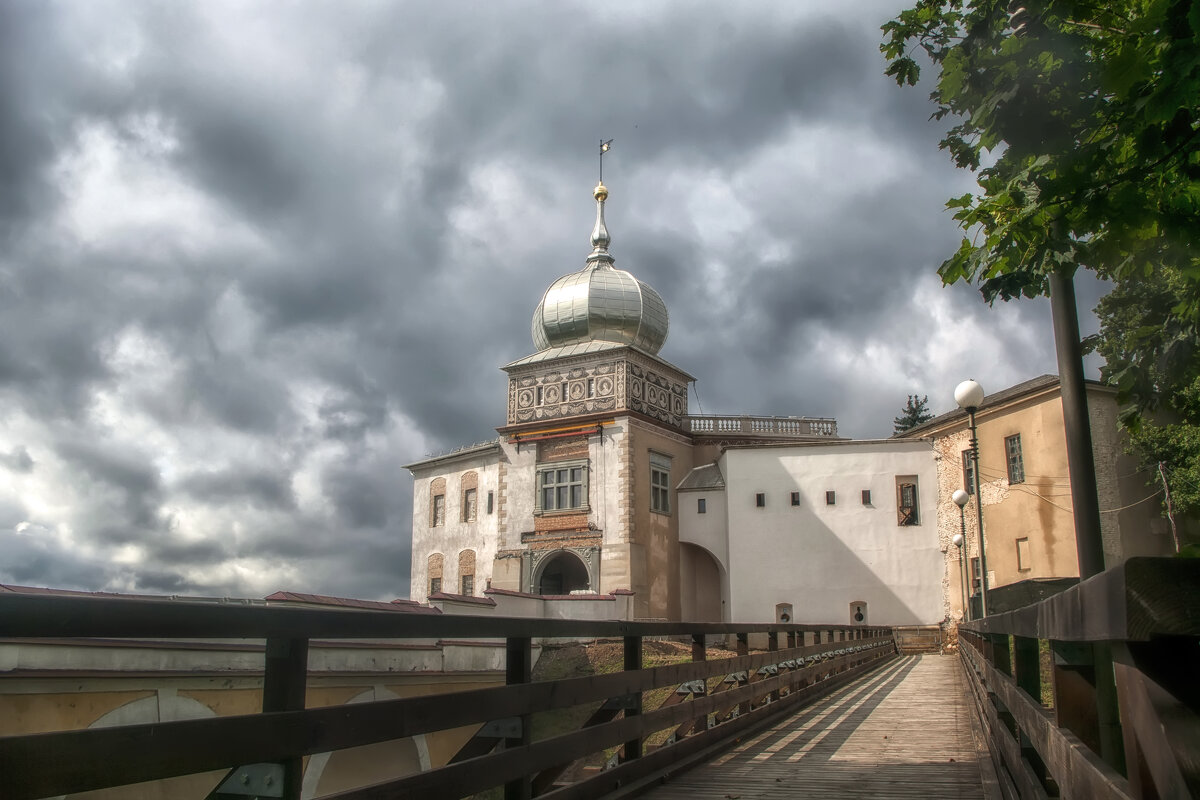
255 262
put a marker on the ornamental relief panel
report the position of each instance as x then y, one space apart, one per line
579 390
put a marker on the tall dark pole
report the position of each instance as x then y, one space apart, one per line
962 563
1082 467
983 581
1089 546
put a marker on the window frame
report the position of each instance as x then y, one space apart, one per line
760 499
470 504
830 497
908 514
554 467
1014 460
464 589
866 497
1024 555
795 498
660 483
437 515
435 585
968 470
701 505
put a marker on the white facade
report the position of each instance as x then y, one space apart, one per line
780 543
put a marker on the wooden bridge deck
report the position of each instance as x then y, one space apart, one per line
904 731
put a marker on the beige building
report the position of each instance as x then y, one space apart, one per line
1029 527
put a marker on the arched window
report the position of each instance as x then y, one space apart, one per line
437 502
466 572
469 503
435 573
562 574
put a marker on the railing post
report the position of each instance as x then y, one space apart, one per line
1074 674
699 653
1001 657
633 661
519 669
285 672
1028 666
773 647
743 649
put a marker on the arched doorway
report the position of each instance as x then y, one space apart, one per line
562 574
701 585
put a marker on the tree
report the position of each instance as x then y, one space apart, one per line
1082 122
915 412
1090 111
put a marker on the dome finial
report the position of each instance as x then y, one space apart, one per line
600 238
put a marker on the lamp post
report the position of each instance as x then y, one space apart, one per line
969 396
960 499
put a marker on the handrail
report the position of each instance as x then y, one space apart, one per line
744 425
1143 618
815 660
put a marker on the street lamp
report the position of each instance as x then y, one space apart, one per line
969 396
960 499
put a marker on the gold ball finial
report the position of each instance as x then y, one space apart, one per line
600 192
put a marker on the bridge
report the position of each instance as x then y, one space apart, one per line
1090 693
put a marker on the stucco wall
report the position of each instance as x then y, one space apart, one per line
456 534
821 558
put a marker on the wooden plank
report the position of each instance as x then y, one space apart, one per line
903 732
1134 601
1077 770
42 616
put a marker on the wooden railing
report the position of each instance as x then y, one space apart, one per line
1132 629
799 427
813 661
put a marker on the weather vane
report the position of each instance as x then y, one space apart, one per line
604 146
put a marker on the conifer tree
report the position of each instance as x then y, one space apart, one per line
916 411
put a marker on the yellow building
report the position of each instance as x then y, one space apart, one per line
1029 527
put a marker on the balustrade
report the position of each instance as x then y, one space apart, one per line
785 427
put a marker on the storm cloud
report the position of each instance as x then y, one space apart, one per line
256 257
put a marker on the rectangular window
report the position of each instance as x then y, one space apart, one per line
468 585
830 498
795 498
976 576
435 585
1012 453
591 387
562 487
491 503
439 510
866 497
760 500
539 395
469 505
701 506
968 467
907 500
660 491
1023 555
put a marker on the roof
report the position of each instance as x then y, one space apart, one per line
707 476
402 606
587 348
462 452
1040 383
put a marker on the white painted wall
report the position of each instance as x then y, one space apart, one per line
455 535
708 530
821 558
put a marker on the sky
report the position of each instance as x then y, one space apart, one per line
257 256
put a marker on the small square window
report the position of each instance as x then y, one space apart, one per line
760 500
795 498
866 497
701 506
830 498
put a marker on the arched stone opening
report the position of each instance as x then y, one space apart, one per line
562 573
701 585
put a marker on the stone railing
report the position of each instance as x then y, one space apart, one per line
783 427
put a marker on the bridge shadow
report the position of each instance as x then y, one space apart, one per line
823 720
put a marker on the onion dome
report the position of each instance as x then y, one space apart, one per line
600 303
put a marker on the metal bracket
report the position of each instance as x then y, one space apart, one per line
736 677
251 780
769 669
622 702
507 728
692 687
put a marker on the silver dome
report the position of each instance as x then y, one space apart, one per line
600 302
